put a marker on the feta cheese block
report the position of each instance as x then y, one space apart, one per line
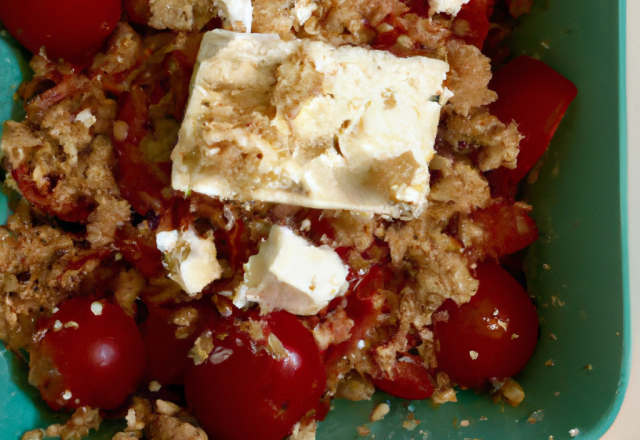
304 123
451 7
190 260
291 274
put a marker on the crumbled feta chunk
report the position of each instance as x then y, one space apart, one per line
191 260
291 274
304 123
451 7
236 11
304 9
87 118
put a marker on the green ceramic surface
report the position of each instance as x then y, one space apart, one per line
577 271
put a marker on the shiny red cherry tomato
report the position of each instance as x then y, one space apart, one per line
492 336
246 391
88 356
167 359
411 380
508 227
472 22
68 29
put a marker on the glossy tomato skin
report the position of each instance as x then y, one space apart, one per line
243 391
68 29
167 359
411 380
508 227
536 97
492 336
93 360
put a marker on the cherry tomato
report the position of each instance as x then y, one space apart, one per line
509 227
492 336
77 211
536 97
411 380
141 183
472 22
167 359
244 390
68 29
91 355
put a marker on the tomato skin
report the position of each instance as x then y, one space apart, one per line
475 327
68 29
509 227
240 392
141 183
76 212
167 359
100 362
411 380
472 22
536 97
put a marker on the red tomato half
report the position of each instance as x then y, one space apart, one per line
472 22
87 357
68 29
492 336
509 227
536 97
411 380
244 391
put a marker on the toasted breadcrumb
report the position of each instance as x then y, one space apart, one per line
378 413
82 421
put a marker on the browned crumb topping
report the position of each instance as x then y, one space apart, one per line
78 427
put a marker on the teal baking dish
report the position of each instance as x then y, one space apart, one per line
577 270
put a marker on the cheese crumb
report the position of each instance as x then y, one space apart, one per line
86 117
71 324
305 225
66 395
473 354
190 260
96 308
154 386
291 274
574 432
57 325
451 7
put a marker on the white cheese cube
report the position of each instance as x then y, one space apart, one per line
291 274
236 11
304 123
191 260
451 7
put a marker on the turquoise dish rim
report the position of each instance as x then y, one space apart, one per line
625 372
610 415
